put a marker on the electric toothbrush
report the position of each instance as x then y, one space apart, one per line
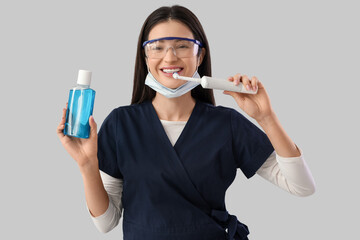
216 83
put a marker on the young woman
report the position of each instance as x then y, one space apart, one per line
168 158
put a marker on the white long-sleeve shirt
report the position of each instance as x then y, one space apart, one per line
291 174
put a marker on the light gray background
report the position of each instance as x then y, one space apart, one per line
306 53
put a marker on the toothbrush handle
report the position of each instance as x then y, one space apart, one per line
222 84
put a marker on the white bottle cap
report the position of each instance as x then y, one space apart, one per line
84 77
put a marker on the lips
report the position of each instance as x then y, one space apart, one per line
171 70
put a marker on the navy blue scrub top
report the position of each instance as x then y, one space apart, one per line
178 192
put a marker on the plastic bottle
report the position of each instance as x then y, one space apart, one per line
80 107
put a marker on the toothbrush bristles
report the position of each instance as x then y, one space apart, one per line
175 75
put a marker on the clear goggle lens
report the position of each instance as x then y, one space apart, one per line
181 48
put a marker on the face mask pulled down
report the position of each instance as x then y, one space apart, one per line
169 92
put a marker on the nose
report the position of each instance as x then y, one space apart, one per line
170 55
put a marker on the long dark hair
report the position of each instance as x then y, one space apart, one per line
142 92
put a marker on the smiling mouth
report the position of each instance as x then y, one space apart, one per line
171 70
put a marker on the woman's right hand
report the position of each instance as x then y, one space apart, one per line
84 151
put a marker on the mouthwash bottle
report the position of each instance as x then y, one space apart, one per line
80 107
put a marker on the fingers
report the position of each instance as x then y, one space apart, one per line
236 79
63 116
61 126
260 85
93 127
60 129
254 83
251 84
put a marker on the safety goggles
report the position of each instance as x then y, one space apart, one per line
181 47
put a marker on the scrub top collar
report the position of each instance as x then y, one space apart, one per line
186 132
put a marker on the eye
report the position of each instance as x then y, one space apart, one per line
182 45
155 48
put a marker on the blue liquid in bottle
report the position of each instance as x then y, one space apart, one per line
80 108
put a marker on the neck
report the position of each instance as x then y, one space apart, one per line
174 109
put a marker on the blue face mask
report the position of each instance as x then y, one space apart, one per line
168 92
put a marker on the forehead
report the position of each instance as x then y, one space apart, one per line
171 28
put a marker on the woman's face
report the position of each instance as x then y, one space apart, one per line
188 66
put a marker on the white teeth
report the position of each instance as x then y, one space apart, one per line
171 70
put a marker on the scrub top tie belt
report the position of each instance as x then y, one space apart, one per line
236 229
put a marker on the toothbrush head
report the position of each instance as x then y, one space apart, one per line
175 75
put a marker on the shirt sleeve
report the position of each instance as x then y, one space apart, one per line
107 147
251 145
110 219
291 174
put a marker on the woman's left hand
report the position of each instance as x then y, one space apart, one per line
257 105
